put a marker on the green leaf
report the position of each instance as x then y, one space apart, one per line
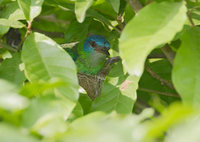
3 29
104 7
9 70
129 13
40 88
11 23
12 12
138 39
189 128
9 133
115 4
9 99
81 7
46 61
85 102
175 114
77 31
97 15
76 113
31 8
46 116
120 99
98 127
186 77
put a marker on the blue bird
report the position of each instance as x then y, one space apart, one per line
92 55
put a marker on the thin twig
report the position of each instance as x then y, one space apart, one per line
156 76
168 53
119 21
28 31
190 18
159 92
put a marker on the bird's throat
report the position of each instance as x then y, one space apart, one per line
97 59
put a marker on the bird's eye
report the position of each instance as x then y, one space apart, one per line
93 43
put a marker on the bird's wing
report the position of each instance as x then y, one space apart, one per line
73 52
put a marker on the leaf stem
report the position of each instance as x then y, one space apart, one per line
159 92
190 18
28 31
119 21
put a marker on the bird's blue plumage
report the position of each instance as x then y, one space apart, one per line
100 41
92 54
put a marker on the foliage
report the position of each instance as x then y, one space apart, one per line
151 95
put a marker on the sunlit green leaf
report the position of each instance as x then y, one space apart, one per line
9 99
46 116
31 8
40 88
81 7
175 114
189 128
120 99
3 29
9 133
12 12
98 127
154 25
10 23
45 61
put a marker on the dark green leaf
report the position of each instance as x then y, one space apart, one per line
10 70
115 4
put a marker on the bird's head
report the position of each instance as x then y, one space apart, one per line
96 43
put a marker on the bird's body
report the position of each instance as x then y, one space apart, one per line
92 55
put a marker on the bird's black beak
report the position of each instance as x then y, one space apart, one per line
105 51
101 49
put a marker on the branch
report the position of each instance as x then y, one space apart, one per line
168 53
159 92
162 81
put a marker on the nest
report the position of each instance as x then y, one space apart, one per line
93 83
